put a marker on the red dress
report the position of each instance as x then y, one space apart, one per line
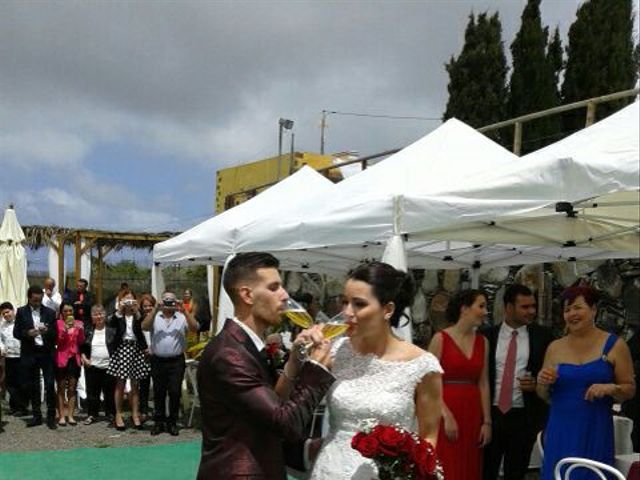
462 459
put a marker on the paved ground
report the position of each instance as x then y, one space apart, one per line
16 437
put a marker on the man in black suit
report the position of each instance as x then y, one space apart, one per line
35 327
517 348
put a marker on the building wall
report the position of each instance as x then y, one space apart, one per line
234 185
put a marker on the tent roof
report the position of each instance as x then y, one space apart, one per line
592 177
213 240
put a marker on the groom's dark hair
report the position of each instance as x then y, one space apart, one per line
242 268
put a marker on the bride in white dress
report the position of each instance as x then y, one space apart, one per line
378 376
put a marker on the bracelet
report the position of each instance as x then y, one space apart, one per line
486 423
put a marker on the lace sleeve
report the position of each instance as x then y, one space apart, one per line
424 365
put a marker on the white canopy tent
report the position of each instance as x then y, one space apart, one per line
13 261
213 241
579 192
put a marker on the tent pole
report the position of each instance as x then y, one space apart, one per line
99 274
475 277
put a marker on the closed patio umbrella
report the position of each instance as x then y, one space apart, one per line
13 261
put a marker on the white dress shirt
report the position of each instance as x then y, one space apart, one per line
522 358
53 302
9 345
35 314
257 341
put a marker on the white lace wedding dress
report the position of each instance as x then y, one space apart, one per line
366 388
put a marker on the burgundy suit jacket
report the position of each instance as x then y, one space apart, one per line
244 422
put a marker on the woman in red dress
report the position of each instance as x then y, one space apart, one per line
466 415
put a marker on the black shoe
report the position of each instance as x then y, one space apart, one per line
51 423
19 413
173 430
157 428
34 422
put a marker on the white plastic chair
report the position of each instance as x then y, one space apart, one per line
190 376
539 443
577 462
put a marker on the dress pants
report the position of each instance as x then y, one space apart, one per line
100 382
33 364
14 381
167 374
512 438
143 387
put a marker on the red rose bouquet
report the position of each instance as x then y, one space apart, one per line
398 453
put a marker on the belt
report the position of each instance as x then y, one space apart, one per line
169 359
459 382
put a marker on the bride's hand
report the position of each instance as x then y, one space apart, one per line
322 353
485 435
450 428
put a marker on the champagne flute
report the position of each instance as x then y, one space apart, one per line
297 314
335 326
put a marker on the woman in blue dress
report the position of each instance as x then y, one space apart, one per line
583 374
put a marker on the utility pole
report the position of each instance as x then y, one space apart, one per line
323 125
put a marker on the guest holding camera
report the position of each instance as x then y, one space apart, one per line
168 326
68 361
128 359
95 357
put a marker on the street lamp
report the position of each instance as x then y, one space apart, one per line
284 124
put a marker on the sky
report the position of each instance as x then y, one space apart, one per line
116 114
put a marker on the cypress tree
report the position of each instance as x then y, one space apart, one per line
477 78
555 61
533 86
600 57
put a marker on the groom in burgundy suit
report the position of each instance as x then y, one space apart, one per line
247 412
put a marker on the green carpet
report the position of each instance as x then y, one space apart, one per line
178 461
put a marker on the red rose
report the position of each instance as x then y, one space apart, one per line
408 444
391 441
367 445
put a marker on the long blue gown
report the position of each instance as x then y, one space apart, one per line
577 427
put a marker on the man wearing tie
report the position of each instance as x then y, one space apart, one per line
35 327
517 348
247 411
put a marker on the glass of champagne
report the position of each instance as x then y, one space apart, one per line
331 328
297 314
335 326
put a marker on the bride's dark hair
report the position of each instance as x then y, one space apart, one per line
388 285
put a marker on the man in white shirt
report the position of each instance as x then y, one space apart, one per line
517 348
51 298
168 324
10 351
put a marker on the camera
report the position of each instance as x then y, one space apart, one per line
169 303
128 302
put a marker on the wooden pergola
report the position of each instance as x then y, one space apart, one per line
84 240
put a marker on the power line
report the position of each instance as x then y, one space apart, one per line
373 115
